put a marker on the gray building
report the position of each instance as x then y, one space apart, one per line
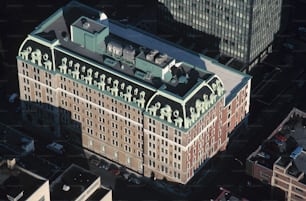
245 28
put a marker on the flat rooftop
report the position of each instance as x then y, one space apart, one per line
57 27
15 181
14 141
283 142
75 179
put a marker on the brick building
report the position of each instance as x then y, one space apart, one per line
280 160
126 95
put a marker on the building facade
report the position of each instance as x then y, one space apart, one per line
246 28
280 160
126 95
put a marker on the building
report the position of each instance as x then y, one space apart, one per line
17 183
280 160
129 96
245 28
76 183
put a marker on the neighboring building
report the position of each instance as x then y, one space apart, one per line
76 183
124 94
280 160
17 183
245 28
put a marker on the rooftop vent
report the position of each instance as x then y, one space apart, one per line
15 197
161 58
150 56
129 53
115 48
66 188
85 23
102 16
11 163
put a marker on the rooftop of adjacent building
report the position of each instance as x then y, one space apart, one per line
72 183
98 194
16 182
14 141
178 80
286 146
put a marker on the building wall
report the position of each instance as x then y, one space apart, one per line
121 132
117 128
109 127
108 196
176 155
41 194
293 188
39 99
90 190
236 110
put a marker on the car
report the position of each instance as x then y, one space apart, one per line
296 152
304 122
126 175
13 97
134 180
18 109
94 162
56 147
114 169
280 137
104 165
289 46
302 29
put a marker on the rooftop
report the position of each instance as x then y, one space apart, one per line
72 183
14 141
17 182
146 46
286 145
131 65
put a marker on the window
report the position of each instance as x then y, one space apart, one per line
299 190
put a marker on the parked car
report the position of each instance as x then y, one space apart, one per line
302 29
13 97
304 122
104 165
114 169
56 147
126 175
94 161
289 46
133 179
18 109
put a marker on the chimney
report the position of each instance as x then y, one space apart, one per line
11 163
